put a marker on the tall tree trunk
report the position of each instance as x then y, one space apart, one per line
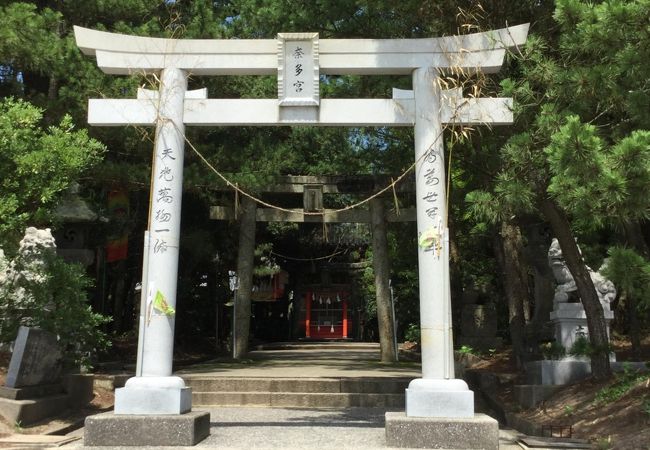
600 368
632 314
536 252
52 89
543 292
382 274
245 265
634 238
516 284
528 303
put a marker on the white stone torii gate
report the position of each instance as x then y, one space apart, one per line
298 59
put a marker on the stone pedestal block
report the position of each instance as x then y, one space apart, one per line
113 430
27 412
564 371
31 392
477 432
570 321
531 395
143 400
439 398
30 404
557 372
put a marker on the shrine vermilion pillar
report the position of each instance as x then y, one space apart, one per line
345 318
308 299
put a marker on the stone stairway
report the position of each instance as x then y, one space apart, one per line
297 392
302 375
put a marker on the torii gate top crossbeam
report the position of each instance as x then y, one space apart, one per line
123 54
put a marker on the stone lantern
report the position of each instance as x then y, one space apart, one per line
76 219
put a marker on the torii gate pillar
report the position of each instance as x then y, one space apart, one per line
437 393
154 390
439 408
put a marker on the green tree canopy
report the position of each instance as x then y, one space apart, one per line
37 165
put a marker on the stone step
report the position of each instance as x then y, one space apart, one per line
377 385
298 399
319 345
298 391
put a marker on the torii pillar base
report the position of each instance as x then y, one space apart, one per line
477 432
149 411
426 397
440 414
153 396
114 430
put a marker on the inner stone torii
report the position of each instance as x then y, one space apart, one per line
298 59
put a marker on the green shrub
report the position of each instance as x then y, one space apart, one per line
581 347
552 350
622 384
51 294
604 443
412 333
645 406
468 350
568 410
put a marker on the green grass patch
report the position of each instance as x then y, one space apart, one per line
622 384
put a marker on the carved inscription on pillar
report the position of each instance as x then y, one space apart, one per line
164 200
432 174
